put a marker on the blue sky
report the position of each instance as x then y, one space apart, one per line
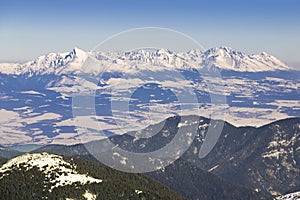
32 28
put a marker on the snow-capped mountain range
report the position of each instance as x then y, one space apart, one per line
222 58
131 90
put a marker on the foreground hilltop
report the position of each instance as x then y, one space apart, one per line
49 176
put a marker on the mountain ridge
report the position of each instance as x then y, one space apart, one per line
240 155
222 58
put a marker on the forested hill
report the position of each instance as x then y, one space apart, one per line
49 176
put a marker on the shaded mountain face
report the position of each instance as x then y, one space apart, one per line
131 90
49 176
195 183
264 159
2 160
8 153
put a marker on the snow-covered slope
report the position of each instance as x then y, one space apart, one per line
291 196
57 171
54 63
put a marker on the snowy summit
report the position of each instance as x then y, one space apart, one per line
229 59
52 166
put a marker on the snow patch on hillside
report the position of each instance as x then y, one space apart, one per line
291 196
89 196
57 171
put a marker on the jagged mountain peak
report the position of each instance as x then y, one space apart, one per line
195 52
221 48
226 58
163 51
78 52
